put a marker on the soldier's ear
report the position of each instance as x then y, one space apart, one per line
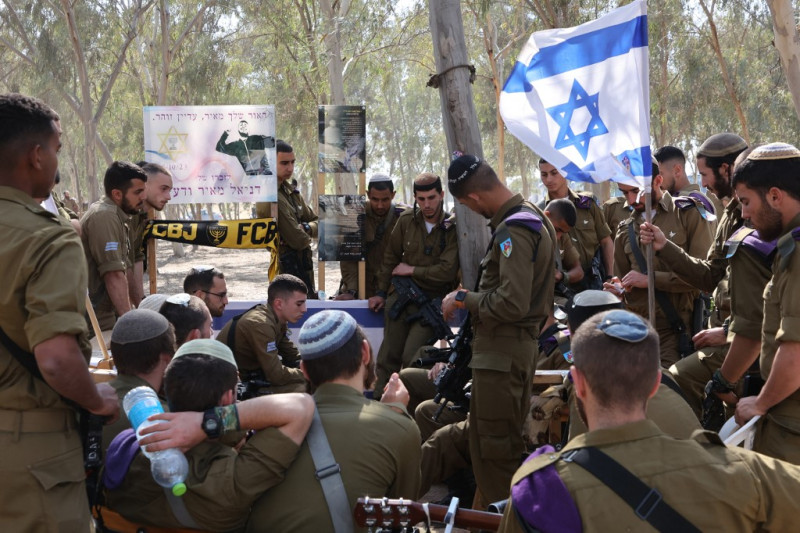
366 352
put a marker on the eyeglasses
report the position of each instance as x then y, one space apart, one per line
220 295
181 299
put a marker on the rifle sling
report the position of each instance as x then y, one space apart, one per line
328 473
646 501
661 297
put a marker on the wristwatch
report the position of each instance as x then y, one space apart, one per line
460 297
212 424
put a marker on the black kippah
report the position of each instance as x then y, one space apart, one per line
462 167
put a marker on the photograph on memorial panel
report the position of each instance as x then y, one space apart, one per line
342 138
215 153
341 227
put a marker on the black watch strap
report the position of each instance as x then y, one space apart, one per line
212 424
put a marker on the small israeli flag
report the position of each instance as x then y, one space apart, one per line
112 246
579 97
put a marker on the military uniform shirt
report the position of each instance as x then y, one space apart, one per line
262 343
221 486
374 250
590 226
716 488
377 449
292 211
435 266
137 224
106 243
615 211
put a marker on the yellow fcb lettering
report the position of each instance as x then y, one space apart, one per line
159 230
174 230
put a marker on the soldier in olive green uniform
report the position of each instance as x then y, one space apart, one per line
591 234
42 322
672 167
768 187
222 483
571 490
261 341
684 224
712 274
158 191
381 217
513 300
375 444
615 210
423 246
142 343
297 223
106 241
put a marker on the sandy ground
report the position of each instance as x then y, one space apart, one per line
245 270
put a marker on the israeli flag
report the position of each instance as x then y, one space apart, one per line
580 98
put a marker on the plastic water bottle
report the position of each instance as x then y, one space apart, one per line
169 467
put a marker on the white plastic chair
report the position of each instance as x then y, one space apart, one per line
734 435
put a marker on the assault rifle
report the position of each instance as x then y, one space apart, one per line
429 313
452 383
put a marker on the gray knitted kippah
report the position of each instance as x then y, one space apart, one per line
773 151
210 347
721 144
138 325
153 302
324 333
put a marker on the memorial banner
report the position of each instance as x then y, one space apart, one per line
341 227
237 234
215 153
342 138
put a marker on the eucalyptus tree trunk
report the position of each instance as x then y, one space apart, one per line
787 41
460 122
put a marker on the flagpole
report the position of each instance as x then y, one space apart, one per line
649 254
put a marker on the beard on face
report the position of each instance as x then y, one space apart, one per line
581 411
722 186
770 224
128 208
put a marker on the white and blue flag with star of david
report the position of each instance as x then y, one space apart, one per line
579 97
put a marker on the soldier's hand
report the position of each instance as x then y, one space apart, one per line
395 391
747 408
449 306
109 409
434 371
174 430
710 337
614 286
344 296
634 279
376 303
403 269
650 234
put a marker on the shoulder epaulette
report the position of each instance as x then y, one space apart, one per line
786 246
409 211
687 202
750 238
703 200
525 218
449 222
704 436
584 200
615 200
399 209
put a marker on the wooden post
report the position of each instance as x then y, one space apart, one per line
362 265
460 123
151 257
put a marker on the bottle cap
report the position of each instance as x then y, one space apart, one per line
179 489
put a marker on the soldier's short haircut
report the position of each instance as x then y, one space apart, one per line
381 186
201 279
120 175
342 363
620 373
669 153
283 286
196 382
563 209
282 146
761 175
151 169
142 357
24 119
184 317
